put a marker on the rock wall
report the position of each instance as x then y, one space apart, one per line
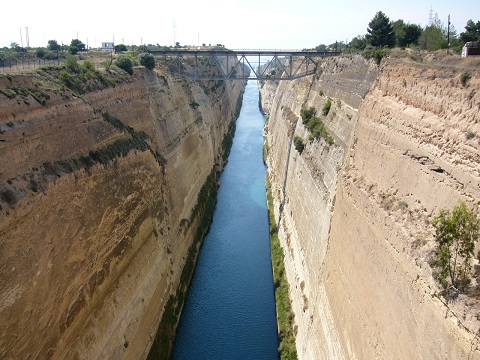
96 199
354 217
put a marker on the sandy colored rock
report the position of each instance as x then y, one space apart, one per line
355 218
94 219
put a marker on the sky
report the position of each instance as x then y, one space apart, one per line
246 24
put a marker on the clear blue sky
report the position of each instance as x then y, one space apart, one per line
242 24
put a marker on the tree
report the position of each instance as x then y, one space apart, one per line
406 34
53 45
472 33
120 48
40 53
456 234
147 60
358 43
321 47
72 64
412 34
380 31
124 62
78 44
72 49
16 47
432 39
434 36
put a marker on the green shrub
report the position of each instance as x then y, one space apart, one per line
465 78
49 55
326 107
147 60
299 144
66 78
125 63
71 63
8 93
40 53
307 114
377 54
88 66
315 124
456 234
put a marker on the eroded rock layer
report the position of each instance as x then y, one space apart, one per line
98 198
355 216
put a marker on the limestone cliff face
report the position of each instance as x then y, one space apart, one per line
96 195
354 217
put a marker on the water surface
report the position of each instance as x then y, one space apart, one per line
229 311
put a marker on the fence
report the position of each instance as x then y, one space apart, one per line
27 64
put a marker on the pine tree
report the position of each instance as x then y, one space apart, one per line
380 31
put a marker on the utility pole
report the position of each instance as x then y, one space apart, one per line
21 37
174 43
27 40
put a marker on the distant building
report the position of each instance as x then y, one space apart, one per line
471 48
108 46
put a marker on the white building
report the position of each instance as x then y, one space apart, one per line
108 46
471 48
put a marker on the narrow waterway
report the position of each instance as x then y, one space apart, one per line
229 312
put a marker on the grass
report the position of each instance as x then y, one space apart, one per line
285 316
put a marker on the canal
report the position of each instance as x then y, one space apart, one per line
229 311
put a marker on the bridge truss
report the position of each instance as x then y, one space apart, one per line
242 64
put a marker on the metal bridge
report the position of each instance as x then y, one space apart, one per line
223 64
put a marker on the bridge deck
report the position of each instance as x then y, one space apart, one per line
201 52
239 64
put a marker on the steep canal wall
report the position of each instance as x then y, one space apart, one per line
355 216
101 205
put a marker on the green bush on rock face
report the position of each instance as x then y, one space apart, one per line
315 124
456 234
147 60
125 63
299 144
326 107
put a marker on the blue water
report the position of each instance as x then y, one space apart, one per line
229 311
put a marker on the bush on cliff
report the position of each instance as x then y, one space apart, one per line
125 63
147 60
315 124
299 144
456 234
326 107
